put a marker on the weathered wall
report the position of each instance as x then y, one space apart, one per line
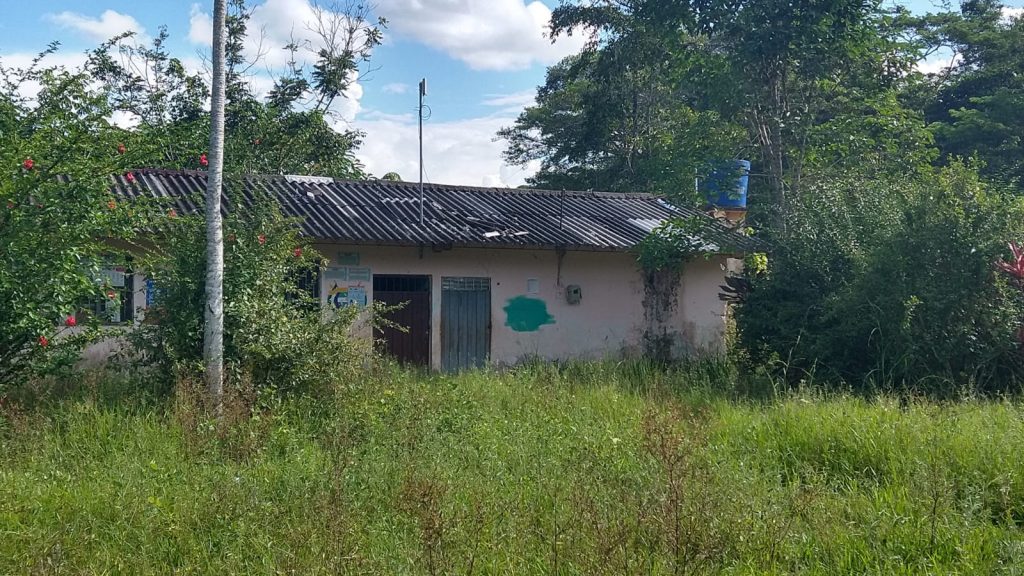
611 320
623 311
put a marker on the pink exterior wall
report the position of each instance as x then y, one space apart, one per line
608 322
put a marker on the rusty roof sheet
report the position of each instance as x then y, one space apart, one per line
384 212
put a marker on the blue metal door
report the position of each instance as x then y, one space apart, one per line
465 323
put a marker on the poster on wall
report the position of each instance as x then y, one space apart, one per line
344 288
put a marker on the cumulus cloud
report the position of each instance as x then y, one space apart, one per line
200 26
24 60
109 24
485 34
938 63
456 152
395 88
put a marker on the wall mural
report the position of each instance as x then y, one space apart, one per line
525 314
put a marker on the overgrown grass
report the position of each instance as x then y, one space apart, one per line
580 469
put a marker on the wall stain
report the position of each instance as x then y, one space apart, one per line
524 314
662 341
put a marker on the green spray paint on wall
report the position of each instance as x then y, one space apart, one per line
524 314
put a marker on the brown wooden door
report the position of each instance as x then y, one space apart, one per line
411 346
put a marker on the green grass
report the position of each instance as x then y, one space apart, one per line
587 469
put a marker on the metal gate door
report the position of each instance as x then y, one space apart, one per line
465 323
413 345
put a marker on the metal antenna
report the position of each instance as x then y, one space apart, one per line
423 92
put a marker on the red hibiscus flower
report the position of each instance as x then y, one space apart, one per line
28 164
172 213
262 239
70 322
298 252
44 341
203 161
129 177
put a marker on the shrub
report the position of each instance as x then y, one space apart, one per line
882 284
275 332
57 152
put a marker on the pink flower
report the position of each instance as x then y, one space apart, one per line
70 322
203 161
129 177
28 164
111 294
172 213
262 239
298 252
44 341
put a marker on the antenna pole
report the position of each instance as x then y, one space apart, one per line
423 92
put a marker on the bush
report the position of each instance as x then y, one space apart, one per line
275 332
888 285
58 151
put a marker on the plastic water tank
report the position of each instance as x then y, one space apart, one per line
726 186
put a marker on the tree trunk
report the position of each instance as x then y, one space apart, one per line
213 336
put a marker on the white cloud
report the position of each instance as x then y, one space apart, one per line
938 63
108 25
395 88
200 26
485 34
515 101
1010 13
457 152
24 60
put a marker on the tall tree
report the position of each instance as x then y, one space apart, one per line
213 341
974 106
773 69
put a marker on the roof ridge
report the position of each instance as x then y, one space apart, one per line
404 183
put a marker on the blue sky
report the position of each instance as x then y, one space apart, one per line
482 60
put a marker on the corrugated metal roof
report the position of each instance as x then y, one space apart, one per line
384 212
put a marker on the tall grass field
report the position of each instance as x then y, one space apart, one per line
580 469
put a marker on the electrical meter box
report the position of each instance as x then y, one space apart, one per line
573 294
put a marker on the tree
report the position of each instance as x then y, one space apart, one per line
974 105
294 130
58 152
760 76
213 341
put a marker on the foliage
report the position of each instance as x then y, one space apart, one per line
294 130
611 119
974 105
672 243
57 152
667 89
578 469
275 332
898 284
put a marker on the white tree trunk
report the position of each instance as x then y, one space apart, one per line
213 340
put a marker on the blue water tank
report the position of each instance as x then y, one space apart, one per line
726 186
